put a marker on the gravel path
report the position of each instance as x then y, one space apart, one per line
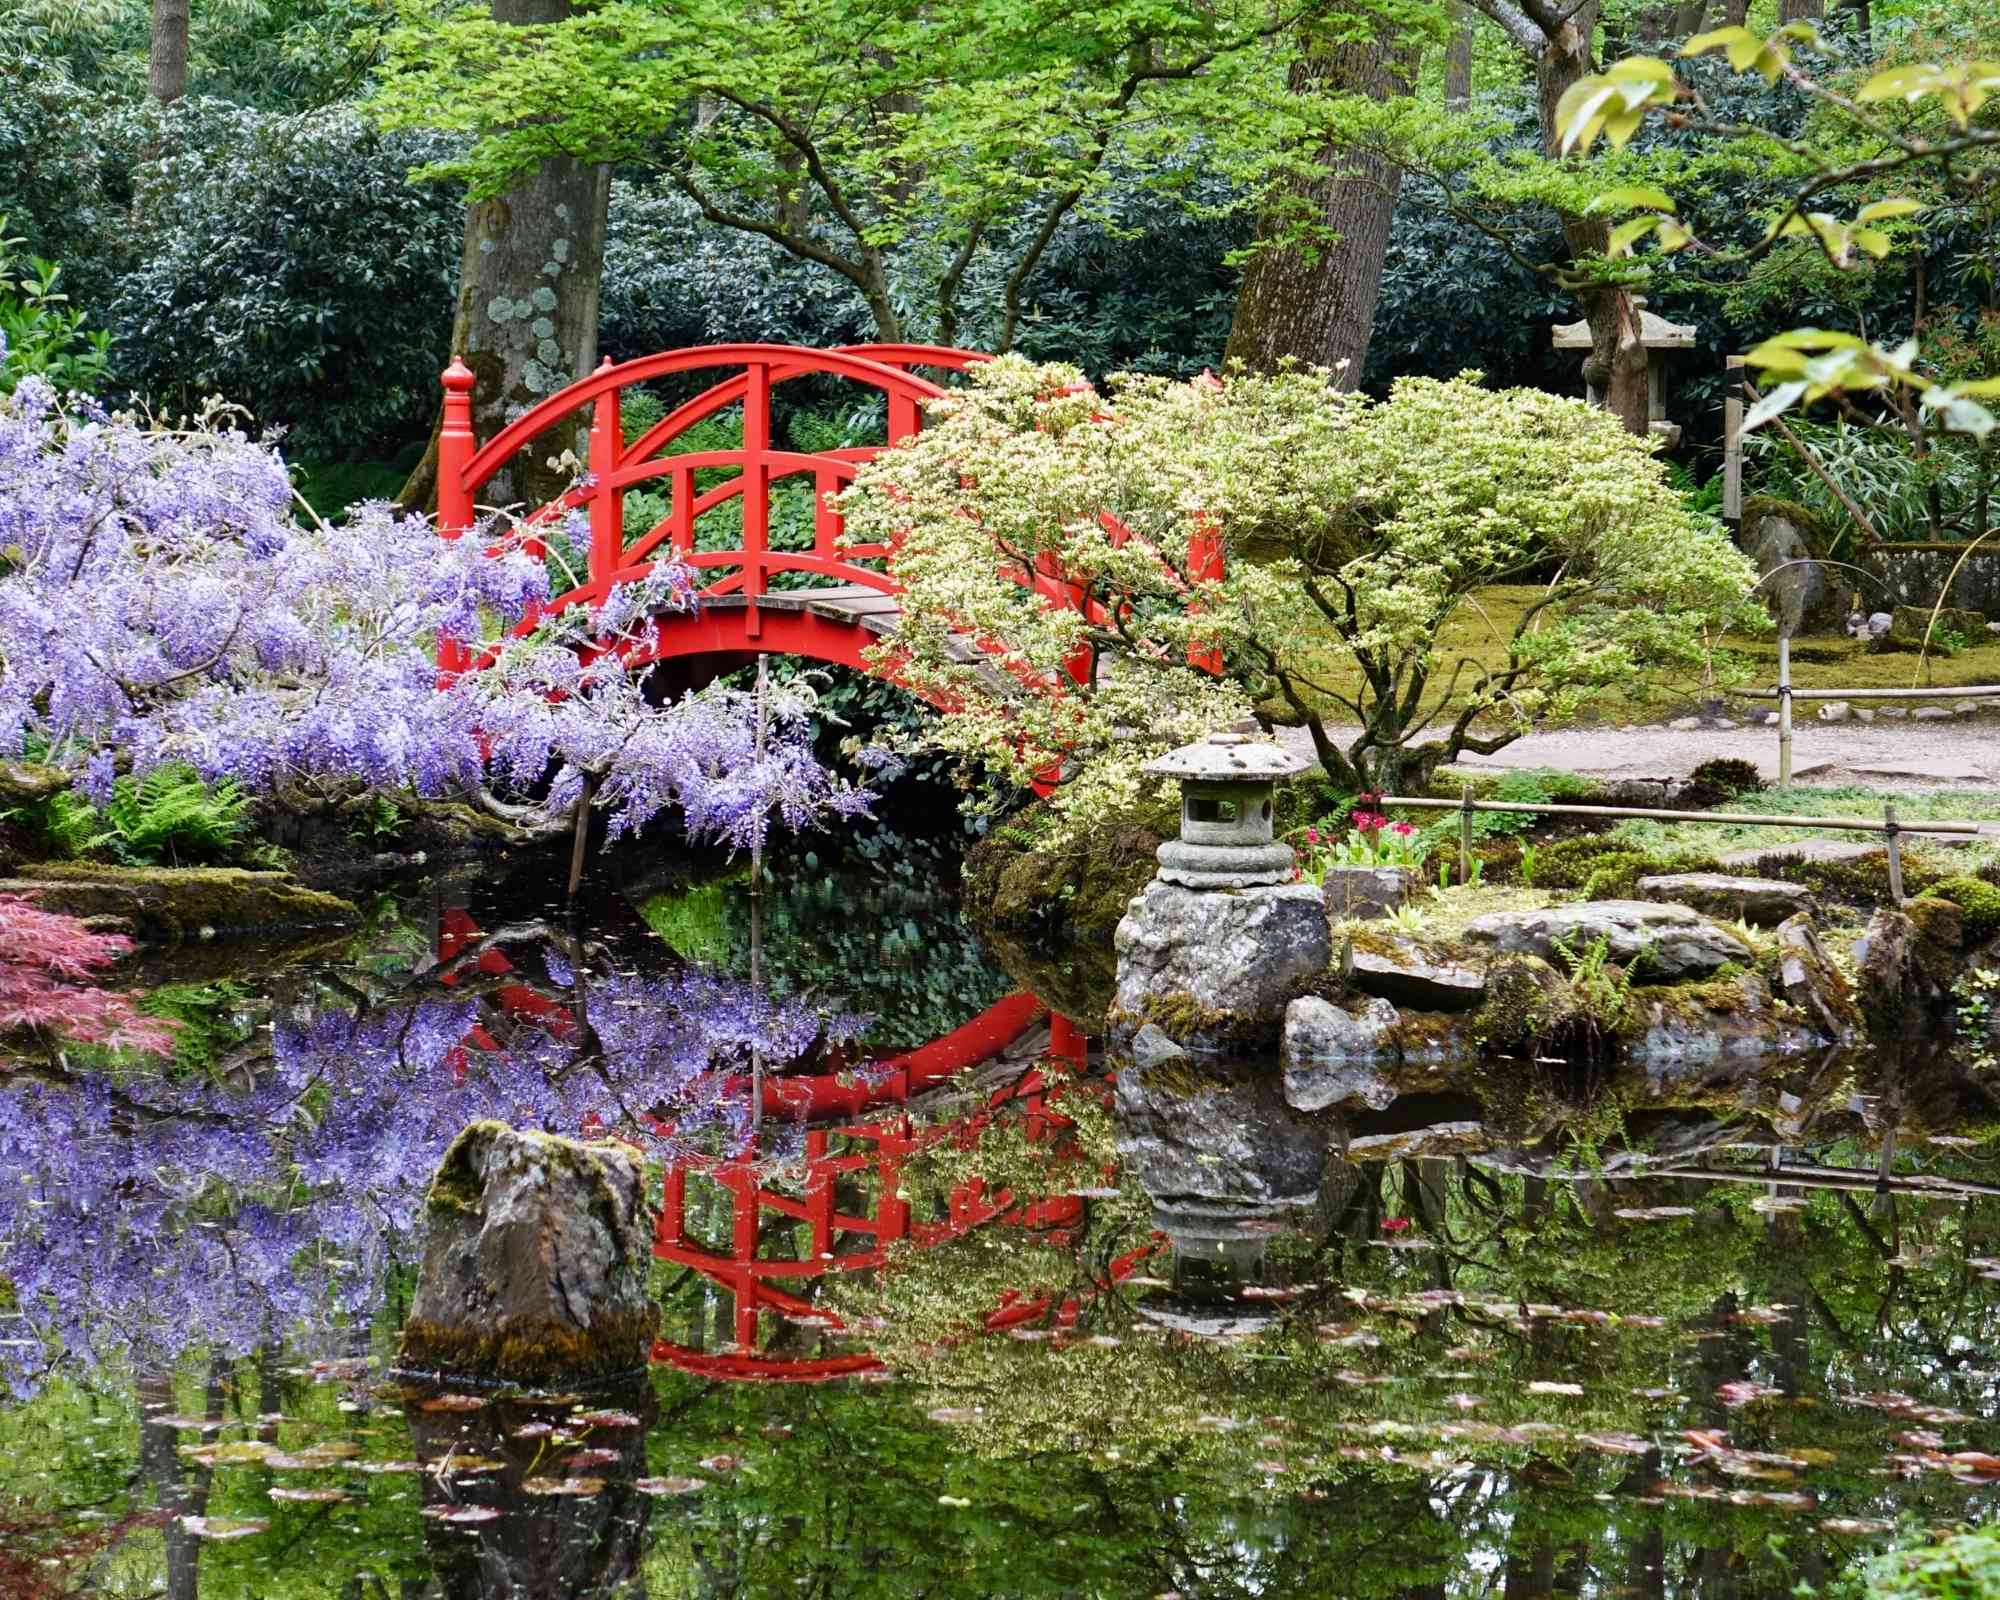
1964 752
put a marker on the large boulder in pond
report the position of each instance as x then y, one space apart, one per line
535 1262
1215 968
1659 942
1908 963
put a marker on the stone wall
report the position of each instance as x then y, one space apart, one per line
1913 578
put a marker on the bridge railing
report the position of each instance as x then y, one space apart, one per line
745 570
615 469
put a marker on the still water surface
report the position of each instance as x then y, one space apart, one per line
1012 1332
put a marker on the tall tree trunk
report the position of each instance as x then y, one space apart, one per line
1458 56
1317 304
1616 365
167 57
1688 15
1735 12
526 322
1801 10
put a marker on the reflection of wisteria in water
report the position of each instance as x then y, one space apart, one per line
150 1212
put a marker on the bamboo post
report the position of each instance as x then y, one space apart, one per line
1893 835
1732 446
1464 834
1784 711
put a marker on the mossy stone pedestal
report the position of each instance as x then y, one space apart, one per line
535 1263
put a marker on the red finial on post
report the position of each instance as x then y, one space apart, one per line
607 507
456 446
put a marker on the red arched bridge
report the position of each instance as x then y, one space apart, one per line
852 601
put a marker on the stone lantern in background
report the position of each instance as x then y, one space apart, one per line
1227 782
1655 333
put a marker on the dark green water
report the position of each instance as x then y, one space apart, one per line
1503 1355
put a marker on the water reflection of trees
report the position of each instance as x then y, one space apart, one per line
268 1189
1764 1369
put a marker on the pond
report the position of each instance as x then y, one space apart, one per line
968 1311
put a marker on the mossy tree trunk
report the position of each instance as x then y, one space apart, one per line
526 320
1316 302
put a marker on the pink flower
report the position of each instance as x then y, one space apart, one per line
1312 836
1403 829
1395 1224
1368 821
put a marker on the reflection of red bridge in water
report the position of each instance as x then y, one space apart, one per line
848 1198
739 614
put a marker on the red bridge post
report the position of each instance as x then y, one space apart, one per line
454 498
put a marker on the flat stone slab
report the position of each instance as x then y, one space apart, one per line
1402 970
173 903
1673 941
1806 850
1761 902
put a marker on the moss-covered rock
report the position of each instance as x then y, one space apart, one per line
1908 962
536 1262
1911 624
1978 904
1048 913
170 903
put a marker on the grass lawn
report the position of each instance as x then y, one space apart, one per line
1483 625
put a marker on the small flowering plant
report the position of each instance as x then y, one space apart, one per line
1371 840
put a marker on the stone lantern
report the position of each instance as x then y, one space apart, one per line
1655 333
1227 781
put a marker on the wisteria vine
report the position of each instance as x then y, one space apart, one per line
160 602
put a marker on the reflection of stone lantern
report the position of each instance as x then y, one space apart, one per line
1655 333
1227 781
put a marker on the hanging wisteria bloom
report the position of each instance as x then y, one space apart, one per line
160 603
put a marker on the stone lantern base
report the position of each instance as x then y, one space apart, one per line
1224 866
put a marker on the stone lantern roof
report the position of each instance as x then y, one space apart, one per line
1655 333
1228 757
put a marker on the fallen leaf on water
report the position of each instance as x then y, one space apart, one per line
390 1466
1543 1386
953 1500
775 1430
452 1402
1272 1468
1744 1393
453 1466
205 1424
223 1527
610 1419
953 1413
1652 1213
1862 1525
592 1458
238 1453
534 1430
309 1496
462 1514
657 1486
1762 1314
577 1486
1920 1439
721 1463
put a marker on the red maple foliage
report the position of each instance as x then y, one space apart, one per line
49 964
